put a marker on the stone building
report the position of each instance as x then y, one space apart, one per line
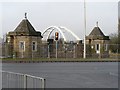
97 43
24 41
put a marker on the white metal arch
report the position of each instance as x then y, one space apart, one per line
52 28
71 33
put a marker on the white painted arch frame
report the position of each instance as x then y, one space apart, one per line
60 30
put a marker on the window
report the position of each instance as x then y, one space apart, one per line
106 47
97 48
22 45
34 46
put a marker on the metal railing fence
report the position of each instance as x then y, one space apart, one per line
66 51
18 80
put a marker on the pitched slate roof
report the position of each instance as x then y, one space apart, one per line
25 28
96 33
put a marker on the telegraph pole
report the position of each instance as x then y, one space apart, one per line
84 29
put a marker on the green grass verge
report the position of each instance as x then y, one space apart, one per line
60 59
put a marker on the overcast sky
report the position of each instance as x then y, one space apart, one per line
67 14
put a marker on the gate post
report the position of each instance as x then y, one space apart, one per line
25 81
43 83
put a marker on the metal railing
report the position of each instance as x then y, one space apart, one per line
18 80
65 51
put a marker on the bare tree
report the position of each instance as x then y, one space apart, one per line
114 42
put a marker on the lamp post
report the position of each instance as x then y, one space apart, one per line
84 30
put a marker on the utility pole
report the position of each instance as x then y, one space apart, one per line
84 29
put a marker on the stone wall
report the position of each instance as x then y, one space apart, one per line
91 48
14 50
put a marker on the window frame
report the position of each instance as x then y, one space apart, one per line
106 47
97 48
35 46
22 47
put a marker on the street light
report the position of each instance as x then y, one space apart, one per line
84 30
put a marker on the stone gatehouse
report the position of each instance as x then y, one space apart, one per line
24 41
97 43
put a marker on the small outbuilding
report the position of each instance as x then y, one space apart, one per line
24 41
97 43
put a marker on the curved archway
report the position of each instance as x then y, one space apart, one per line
51 29
77 38
60 29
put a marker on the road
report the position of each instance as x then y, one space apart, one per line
72 74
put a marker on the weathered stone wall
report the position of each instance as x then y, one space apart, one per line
91 48
28 53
